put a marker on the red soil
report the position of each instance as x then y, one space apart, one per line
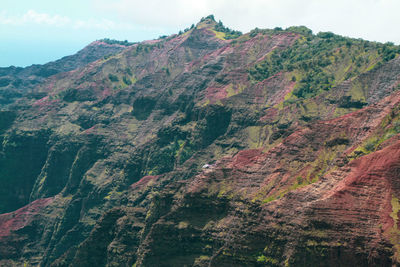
22 217
144 181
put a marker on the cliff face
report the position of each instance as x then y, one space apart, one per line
272 148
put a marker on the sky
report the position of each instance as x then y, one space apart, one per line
36 32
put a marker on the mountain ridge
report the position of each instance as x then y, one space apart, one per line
274 148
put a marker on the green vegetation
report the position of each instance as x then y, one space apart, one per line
164 159
319 62
112 42
144 48
185 124
229 34
388 51
267 260
303 30
126 80
113 78
390 126
221 31
209 17
166 69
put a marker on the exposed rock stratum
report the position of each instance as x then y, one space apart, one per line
205 148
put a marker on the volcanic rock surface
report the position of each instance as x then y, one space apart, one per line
205 148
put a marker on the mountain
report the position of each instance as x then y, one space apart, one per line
205 148
17 81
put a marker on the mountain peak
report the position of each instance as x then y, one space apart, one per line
210 23
209 18
206 22
278 147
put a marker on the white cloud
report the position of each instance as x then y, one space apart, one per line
369 19
44 19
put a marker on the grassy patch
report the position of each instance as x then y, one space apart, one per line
267 260
219 35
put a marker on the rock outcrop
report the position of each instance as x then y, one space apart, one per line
205 148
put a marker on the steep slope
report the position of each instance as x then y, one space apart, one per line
276 147
16 82
303 202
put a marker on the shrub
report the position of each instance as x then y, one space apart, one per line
112 41
300 29
325 35
127 81
299 180
113 78
370 146
229 34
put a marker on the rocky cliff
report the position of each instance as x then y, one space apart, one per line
205 148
